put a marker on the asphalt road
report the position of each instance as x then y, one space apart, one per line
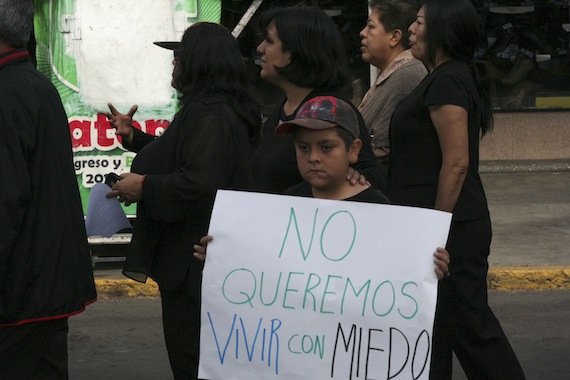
121 339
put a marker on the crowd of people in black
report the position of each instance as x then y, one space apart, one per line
430 148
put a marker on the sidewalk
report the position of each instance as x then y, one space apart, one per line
530 211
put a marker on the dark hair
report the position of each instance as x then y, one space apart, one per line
456 33
318 57
210 62
345 136
397 14
16 22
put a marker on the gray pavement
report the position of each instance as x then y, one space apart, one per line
122 339
530 212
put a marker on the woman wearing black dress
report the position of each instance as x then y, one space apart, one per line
434 139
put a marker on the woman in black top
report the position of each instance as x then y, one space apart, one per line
303 55
434 163
175 177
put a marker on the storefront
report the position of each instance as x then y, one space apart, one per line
525 45
526 48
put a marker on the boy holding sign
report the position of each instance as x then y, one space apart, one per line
326 132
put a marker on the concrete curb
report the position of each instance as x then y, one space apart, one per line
524 166
499 278
124 287
536 278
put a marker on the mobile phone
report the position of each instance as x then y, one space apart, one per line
111 179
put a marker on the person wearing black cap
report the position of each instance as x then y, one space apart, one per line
175 177
325 132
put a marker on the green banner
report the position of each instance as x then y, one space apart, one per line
101 51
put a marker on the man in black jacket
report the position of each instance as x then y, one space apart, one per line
45 266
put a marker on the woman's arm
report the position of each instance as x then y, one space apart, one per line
451 124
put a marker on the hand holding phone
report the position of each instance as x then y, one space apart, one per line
111 179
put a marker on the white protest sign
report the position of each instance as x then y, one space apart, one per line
303 288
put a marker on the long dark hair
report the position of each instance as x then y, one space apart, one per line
210 62
318 57
454 27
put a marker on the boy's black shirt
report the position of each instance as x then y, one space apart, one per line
369 195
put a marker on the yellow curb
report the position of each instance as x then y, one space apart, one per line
498 278
117 288
518 278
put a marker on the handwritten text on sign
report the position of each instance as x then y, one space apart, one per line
302 288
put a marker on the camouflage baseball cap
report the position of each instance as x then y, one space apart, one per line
323 112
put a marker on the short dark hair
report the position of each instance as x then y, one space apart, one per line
346 137
397 14
210 62
318 56
16 22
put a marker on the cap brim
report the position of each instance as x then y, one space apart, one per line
170 45
287 127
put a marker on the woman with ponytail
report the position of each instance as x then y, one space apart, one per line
434 139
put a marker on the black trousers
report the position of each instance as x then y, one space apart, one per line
35 351
181 323
464 322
